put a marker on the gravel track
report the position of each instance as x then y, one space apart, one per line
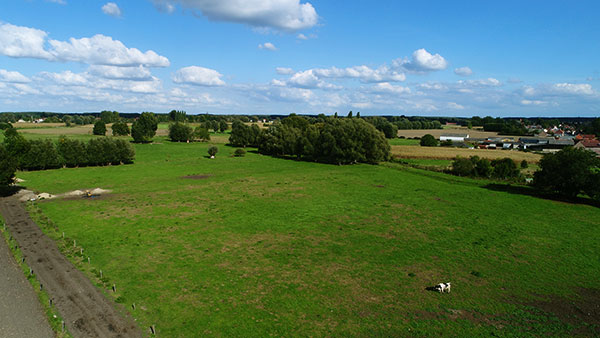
20 312
86 311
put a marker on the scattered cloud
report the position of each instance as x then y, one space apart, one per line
267 46
302 36
198 76
533 102
60 2
13 77
389 88
572 89
284 71
454 105
139 73
489 82
111 8
308 79
463 71
286 15
422 61
25 42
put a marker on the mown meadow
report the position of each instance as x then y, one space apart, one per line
261 246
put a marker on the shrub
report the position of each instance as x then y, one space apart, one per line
428 141
99 128
212 151
120 128
239 152
201 133
5 125
223 126
125 152
179 132
446 143
462 167
144 128
102 151
483 167
524 164
504 169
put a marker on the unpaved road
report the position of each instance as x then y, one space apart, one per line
20 312
87 313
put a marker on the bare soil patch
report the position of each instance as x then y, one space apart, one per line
196 177
87 313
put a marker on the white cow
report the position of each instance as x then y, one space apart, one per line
443 287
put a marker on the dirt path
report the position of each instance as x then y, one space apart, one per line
87 313
20 312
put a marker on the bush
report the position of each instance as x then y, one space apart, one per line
120 128
462 167
428 141
144 128
5 125
99 128
102 151
239 152
446 143
524 164
483 167
569 172
504 169
223 126
179 132
125 153
212 151
201 133
16 145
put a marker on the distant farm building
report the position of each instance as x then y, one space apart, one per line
454 137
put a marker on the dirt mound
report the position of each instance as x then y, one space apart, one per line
87 313
196 177
28 195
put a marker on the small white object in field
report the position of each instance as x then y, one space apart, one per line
443 287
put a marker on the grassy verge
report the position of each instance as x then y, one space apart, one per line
54 318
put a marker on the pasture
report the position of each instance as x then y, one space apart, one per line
260 246
473 133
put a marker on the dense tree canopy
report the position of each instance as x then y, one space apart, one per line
144 128
8 166
177 116
201 133
569 172
120 128
179 132
99 128
243 135
107 116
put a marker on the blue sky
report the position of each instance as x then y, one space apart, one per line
447 58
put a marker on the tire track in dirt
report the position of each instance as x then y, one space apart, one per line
87 313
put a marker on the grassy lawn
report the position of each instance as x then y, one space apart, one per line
260 246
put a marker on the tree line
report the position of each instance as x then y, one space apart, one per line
45 154
332 140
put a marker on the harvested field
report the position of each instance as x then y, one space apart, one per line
473 133
442 153
27 125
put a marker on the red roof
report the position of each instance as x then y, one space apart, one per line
590 143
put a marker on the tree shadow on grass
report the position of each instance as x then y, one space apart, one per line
9 190
529 191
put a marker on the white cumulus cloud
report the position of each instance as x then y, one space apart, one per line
22 42
13 77
573 89
386 87
139 73
422 61
199 76
288 15
267 46
25 42
111 8
463 71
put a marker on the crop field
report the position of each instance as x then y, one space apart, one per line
260 246
473 133
448 153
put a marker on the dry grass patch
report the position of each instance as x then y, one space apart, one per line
442 153
473 133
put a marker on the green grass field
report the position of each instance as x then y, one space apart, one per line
259 246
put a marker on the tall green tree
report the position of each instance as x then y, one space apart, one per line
177 116
179 132
8 166
144 128
108 116
72 152
569 172
99 128
120 128
428 141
